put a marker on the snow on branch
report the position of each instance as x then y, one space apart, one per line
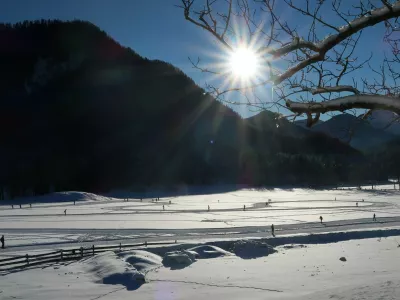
310 64
328 89
294 45
374 17
345 103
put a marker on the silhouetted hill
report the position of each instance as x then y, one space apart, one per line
386 120
272 123
81 112
303 123
360 134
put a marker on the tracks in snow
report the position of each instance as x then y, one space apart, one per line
88 237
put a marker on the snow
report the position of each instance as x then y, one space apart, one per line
143 261
107 268
178 259
100 219
375 16
56 198
313 272
209 251
222 253
252 249
182 258
347 102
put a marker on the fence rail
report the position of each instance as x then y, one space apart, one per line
26 260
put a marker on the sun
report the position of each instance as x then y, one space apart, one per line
244 63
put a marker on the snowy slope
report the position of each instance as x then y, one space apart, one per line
58 197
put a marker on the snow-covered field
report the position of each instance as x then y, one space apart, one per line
371 271
311 272
98 218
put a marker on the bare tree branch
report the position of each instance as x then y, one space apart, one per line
187 4
375 17
294 45
347 102
328 89
308 74
228 19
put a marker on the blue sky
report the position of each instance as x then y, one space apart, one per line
154 28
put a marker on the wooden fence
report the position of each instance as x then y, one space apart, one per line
66 255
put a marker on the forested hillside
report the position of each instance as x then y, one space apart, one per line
81 112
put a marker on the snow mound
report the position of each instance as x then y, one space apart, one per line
61 197
143 261
193 255
178 259
248 249
108 268
209 251
294 246
79 196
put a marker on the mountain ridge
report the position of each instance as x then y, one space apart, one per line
360 134
82 112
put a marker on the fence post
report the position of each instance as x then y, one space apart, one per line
81 252
120 246
93 250
27 259
61 252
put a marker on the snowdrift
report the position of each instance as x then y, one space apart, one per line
141 260
129 268
249 249
108 268
210 251
180 259
69 196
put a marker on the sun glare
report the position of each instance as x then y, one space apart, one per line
244 63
